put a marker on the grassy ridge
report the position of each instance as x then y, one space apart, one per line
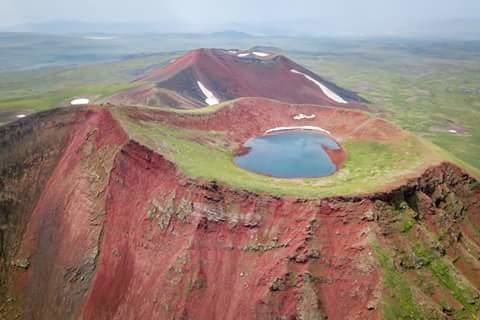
207 155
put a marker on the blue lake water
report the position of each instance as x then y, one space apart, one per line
289 154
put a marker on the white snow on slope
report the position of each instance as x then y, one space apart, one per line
19 116
79 102
210 98
243 55
297 128
304 116
260 54
329 93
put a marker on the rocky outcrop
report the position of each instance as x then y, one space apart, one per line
430 228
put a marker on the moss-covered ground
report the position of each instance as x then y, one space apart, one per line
420 280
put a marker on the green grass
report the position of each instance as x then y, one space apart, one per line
445 275
450 157
47 100
400 302
430 271
406 221
370 166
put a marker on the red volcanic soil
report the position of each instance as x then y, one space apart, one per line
242 150
62 236
118 232
337 156
228 77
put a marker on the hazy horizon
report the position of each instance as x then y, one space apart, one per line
306 17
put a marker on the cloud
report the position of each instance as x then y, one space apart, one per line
208 15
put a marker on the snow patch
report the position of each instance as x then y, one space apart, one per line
210 98
304 116
232 51
329 93
260 54
19 116
452 131
312 128
79 102
256 53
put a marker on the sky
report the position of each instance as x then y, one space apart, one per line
262 16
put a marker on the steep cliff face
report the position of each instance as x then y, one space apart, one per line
115 231
52 244
30 149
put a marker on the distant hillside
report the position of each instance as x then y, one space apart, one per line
80 27
210 76
232 34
